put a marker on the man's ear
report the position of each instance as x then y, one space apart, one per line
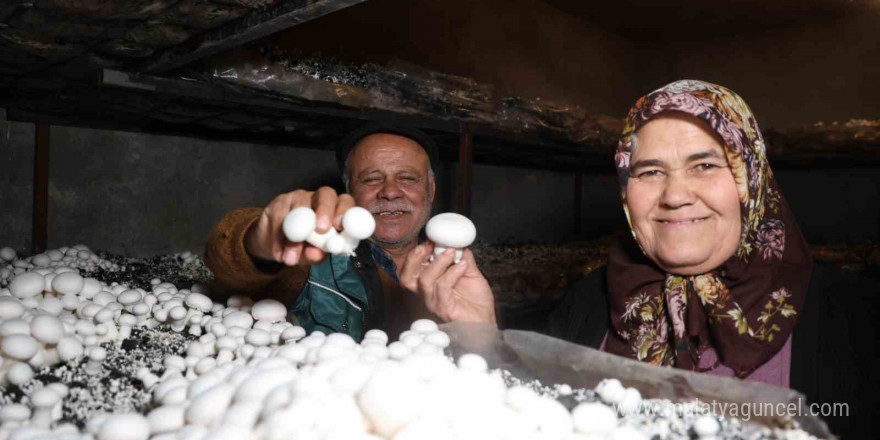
433 184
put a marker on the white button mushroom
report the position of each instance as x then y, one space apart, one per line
451 230
269 310
594 419
96 358
706 426
128 426
611 391
68 283
43 400
19 347
358 224
8 253
10 308
27 285
47 329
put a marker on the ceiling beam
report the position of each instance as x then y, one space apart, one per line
252 26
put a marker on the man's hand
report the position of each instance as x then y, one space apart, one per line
453 292
266 240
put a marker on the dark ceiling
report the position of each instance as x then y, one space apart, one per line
648 20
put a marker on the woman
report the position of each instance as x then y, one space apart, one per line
719 278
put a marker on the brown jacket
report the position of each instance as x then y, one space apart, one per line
236 274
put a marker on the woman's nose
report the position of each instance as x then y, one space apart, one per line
677 192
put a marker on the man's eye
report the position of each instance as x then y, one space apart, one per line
650 174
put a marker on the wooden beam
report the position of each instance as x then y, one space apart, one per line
40 225
578 203
252 26
465 170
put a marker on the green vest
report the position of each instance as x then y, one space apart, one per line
333 299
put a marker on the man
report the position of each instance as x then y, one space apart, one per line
390 282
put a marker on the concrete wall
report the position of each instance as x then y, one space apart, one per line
140 195
16 176
790 77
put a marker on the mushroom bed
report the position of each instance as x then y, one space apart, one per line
96 346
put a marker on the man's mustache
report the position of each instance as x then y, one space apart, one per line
391 207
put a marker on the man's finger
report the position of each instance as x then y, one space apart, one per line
441 262
324 204
412 267
343 203
312 255
292 253
472 269
447 281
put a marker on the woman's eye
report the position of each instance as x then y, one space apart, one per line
707 167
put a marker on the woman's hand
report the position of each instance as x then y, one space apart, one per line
454 292
265 238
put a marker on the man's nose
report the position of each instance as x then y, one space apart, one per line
390 190
677 192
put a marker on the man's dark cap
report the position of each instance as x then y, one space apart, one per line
350 140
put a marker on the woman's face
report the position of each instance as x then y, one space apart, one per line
681 196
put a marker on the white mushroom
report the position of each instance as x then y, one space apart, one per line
27 285
129 426
451 230
592 418
43 400
96 358
19 373
358 224
68 283
126 322
269 310
8 253
19 347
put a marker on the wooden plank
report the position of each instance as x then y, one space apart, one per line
252 26
40 225
578 203
465 170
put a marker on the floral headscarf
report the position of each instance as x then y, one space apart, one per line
746 308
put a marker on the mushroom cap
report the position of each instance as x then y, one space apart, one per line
129 426
129 297
68 283
269 310
594 418
299 224
20 347
10 308
177 312
451 230
258 338
238 319
44 397
69 348
127 320
8 253
199 302
358 223
27 285
47 329
14 412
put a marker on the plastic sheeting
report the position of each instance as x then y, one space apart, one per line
532 356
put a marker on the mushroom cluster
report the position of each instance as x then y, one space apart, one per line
249 373
357 224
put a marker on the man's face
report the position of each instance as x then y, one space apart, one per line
390 177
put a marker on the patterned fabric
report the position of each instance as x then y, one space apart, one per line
746 308
385 262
